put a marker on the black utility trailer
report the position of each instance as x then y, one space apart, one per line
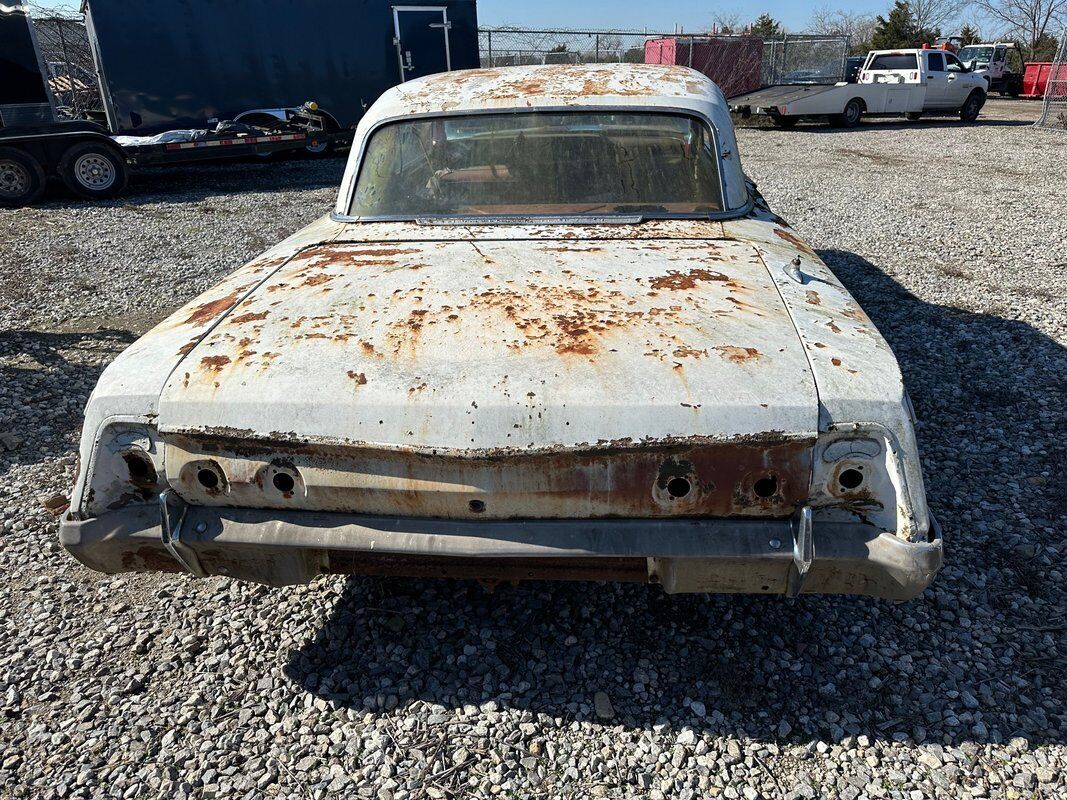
175 64
36 144
169 71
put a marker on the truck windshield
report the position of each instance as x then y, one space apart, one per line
980 54
569 163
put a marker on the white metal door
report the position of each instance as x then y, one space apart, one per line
421 38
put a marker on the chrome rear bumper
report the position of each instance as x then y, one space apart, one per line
279 548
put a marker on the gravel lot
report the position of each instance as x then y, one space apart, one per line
952 238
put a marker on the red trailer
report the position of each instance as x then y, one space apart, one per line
735 63
1037 76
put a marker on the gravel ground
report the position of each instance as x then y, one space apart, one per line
952 238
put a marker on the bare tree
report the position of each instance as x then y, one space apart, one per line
858 27
1028 20
727 22
933 15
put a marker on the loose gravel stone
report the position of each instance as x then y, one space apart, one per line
951 237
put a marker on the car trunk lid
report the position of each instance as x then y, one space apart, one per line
503 350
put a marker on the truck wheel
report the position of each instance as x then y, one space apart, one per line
93 170
913 116
971 106
21 178
851 116
784 122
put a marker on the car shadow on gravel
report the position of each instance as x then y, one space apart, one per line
45 381
977 658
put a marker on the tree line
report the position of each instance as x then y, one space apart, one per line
1034 25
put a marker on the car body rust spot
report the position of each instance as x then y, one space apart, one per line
208 311
249 317
686 280
214 363
794 240
739 355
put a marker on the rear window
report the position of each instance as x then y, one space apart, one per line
887 61
547 163
935 62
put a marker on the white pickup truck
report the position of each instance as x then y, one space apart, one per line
891 82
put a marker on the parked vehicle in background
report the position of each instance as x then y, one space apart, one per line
891 82
549 331
1000 63
176 65
179 86
853 65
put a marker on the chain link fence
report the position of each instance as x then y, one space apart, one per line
1054 107
65 50
738 63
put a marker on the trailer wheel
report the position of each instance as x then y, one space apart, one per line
851 116
913 116
971 106
93 170
21 178
784 122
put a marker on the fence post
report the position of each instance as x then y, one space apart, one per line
66 65
489 36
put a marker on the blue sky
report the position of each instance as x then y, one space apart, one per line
657 15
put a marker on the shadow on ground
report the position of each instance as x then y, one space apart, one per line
46 379
976 658
191 183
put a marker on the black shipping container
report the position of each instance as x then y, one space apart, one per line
178 63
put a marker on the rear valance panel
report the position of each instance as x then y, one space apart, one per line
761 478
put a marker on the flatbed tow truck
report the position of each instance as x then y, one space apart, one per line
1000 63
891 82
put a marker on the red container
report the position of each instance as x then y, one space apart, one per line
1037 76
735 63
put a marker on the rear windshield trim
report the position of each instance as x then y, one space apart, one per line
726 213
913 62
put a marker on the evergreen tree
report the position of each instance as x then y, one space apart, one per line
970 35
766 27
899 30
1044 48
896 30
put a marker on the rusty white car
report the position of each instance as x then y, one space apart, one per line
549 331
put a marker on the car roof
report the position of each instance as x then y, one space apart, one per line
553 85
